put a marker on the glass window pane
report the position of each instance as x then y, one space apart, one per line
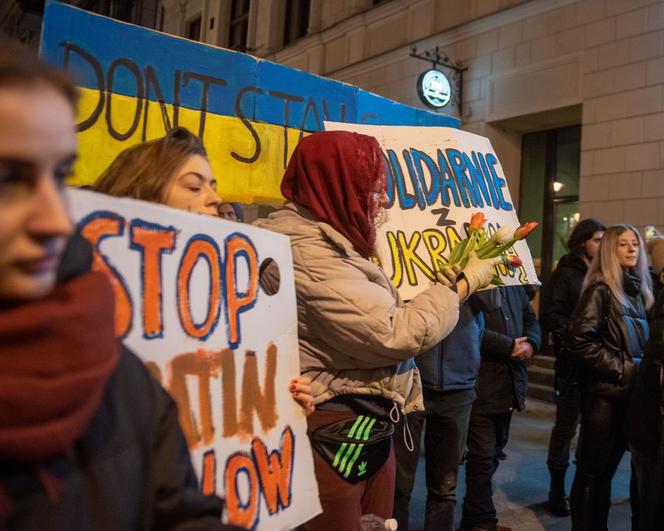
566 216
531 204
568 161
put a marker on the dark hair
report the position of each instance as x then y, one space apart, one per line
583 232
143 171
20 67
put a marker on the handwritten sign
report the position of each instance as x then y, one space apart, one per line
136 84
437 177
188 302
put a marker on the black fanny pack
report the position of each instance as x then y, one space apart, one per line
355 448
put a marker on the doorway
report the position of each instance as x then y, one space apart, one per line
549 191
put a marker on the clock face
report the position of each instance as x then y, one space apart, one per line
434 88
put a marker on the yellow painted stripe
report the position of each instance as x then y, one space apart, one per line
257 182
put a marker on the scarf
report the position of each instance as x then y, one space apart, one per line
332 174
56 356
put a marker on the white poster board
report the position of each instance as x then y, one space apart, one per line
189 305
437 178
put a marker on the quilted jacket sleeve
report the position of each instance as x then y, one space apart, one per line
585 340
364 320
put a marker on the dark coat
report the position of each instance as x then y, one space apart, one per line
644 421
559 297
503 381
131 469
454 362
607 338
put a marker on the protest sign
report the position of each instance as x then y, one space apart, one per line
189 304
437 177
136 84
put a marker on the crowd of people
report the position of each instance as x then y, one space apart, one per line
88 440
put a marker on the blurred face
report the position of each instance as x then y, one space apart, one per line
193 188
37 150
592 245
226 211
378 199
628 249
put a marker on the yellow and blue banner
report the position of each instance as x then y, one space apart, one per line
137 83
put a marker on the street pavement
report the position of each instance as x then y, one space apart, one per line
522 481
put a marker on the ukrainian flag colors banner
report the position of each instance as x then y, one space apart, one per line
138 83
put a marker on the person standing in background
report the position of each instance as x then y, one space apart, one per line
559 297
449 373
607 336
175 171
231 212
511 338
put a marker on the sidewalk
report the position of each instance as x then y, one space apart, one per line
522 481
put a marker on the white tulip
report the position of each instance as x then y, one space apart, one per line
504 234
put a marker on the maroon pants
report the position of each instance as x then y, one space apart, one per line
344 503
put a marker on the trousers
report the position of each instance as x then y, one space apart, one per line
344 503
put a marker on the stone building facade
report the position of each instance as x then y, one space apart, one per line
570 92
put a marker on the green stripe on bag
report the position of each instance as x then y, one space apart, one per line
349 468
345 459
361 429
359 420
369 428
338 454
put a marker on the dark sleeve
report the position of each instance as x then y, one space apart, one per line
531 328
585 337
496 346
171 497
555 306
178 502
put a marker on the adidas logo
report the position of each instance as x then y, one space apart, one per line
348 453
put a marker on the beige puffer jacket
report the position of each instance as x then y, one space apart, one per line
356 336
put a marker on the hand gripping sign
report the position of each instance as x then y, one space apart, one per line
188 302
437 178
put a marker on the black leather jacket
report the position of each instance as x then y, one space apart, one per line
607 338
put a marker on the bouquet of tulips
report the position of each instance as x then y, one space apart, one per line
499 244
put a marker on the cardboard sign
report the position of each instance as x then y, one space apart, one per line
437 178
189 304
136 84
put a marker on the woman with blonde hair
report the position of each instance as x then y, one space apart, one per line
175 171
607 336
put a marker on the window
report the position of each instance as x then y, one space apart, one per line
239 27
296 20
549 192
194 29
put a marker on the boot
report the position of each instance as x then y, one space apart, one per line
558 504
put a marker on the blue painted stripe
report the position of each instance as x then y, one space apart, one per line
112 56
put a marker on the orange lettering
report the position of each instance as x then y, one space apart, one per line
241 513
264 403
151 240
275 471
96 227
199 247
204 365
237 302
209 480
